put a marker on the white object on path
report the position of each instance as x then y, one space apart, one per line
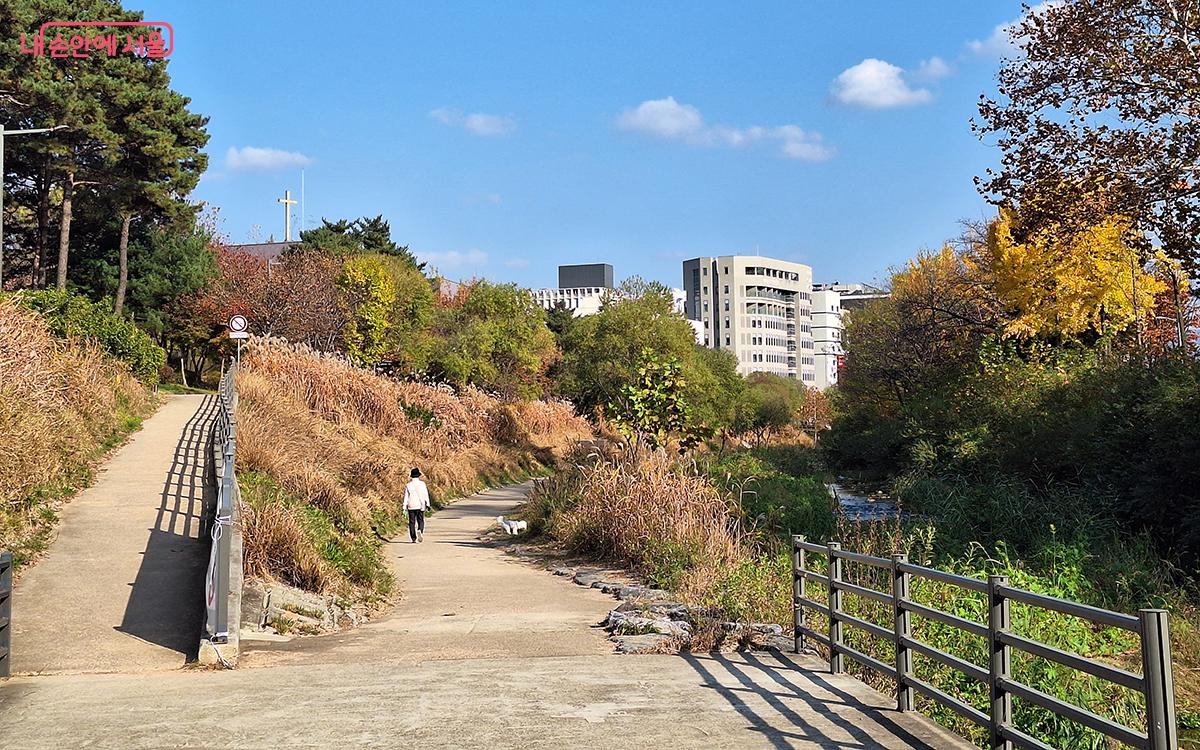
512 527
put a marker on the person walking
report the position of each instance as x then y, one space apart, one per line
416 502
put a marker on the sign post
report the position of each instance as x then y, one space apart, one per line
237 330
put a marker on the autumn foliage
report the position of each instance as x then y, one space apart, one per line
1093 281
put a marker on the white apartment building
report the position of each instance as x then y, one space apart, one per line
827 336
760 309
579 300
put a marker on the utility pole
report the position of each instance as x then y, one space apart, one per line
1178 311
287 202
4 132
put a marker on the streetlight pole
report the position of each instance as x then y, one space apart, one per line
4 132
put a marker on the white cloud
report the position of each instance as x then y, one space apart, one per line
446 116
494 199
876 84
665 118
264 159
517 263
933 69
670 120
1000 42
454 259
475 123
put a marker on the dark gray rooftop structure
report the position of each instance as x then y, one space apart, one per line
585 275
264 250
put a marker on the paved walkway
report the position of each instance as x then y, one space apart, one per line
483 651
122 587
702 702
463 599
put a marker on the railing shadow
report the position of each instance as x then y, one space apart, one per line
166 605
793 715
883 717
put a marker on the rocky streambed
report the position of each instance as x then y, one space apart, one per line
863 505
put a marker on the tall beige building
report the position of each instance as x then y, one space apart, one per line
760 309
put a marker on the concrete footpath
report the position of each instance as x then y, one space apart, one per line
122 586
701 701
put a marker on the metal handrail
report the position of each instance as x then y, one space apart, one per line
224 449
1151 625
6 590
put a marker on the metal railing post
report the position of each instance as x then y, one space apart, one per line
1160 688
218 627
835 609
6 586
798 591
1000 667
903 626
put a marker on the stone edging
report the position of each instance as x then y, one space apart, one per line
648 620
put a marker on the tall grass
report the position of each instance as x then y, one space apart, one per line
63 402
647 512
325 450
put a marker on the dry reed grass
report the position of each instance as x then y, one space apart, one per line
281 548
342 441
61 401
643 510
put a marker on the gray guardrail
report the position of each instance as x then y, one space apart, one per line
6 591
1151 625
224 448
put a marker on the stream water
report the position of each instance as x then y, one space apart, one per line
871 506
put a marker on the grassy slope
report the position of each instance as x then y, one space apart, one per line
63 405
325 451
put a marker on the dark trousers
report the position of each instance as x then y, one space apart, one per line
416 522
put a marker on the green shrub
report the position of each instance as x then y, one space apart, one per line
74 316
756 589
665 562
773 493
1116 430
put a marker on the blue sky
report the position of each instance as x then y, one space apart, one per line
501 139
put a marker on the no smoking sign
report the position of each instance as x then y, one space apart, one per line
237 327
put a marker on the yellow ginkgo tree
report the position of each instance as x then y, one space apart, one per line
1093 282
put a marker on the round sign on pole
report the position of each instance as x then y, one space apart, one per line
238 323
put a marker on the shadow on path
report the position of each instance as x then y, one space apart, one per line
166 605
806 709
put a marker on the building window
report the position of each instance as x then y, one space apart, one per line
726 341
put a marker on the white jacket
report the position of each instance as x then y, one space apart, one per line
416 495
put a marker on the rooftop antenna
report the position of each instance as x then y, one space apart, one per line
301 200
